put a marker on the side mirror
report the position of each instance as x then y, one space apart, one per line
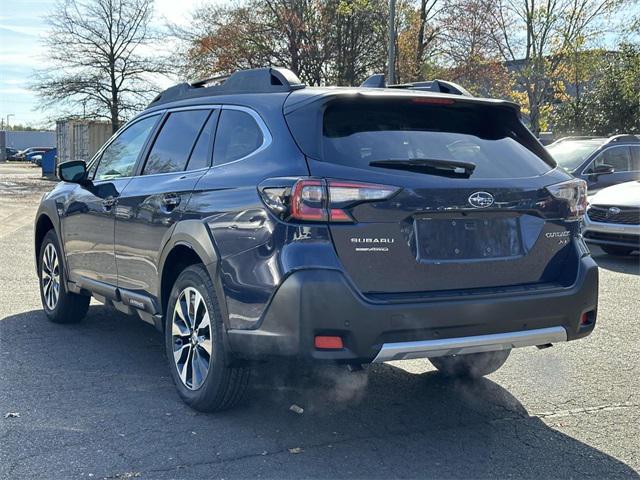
603 169
74 171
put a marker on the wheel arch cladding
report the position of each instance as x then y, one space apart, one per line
43 225
179 257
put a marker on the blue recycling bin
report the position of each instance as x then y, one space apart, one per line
49 162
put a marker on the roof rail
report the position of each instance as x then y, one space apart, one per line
378 81
257 80
579 137
624 138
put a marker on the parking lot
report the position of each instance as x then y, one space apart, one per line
95 400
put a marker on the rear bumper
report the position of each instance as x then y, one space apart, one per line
323 302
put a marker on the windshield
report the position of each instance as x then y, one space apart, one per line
570 154
358 133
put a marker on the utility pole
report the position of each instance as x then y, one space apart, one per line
391 60
8 117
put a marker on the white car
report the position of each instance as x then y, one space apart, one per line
613 219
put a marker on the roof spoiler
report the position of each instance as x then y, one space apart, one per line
441 86
257 80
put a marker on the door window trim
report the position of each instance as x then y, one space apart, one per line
601 152
267 138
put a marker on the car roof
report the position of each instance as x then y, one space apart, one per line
270 87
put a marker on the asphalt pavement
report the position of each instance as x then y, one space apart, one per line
95 400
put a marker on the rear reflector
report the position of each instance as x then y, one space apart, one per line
328 342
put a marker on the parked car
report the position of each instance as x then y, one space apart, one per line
28 153
613 219
263 218
600 161
10 153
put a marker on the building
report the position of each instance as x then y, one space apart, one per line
80 139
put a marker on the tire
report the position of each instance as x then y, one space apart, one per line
190 343
615 250
60 305
472 365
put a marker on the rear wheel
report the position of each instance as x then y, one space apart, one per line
615 250
199 363
60 305
472 365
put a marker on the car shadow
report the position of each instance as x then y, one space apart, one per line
96 398
622 264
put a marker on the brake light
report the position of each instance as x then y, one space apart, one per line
574 193
308 200
320 200
433 101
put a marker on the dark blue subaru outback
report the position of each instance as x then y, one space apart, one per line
260 218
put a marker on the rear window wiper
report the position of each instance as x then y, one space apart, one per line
431 166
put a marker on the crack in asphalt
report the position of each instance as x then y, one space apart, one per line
581 410
390 434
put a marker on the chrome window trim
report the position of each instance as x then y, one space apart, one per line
267 138
583 172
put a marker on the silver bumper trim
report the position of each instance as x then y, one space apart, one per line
475 344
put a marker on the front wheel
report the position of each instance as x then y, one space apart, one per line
471 365
60 305
616 250
195 346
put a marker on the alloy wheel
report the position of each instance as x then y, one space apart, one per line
50 276
191 338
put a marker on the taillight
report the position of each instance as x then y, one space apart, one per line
308 201
320 200
574 193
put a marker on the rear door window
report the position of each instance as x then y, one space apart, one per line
357 133
635 159
617 157
201 154
238 136
173 145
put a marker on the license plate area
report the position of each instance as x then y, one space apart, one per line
461 237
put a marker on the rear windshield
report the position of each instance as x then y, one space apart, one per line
356 133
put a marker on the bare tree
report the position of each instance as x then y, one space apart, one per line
96 55
427 33
534 36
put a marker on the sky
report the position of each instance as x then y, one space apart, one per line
22 28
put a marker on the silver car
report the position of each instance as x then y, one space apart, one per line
612 220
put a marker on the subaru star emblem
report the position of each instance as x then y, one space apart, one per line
480 199
613 211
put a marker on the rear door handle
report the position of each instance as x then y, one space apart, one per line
170 200
108 203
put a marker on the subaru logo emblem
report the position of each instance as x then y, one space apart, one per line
480 199
613 211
